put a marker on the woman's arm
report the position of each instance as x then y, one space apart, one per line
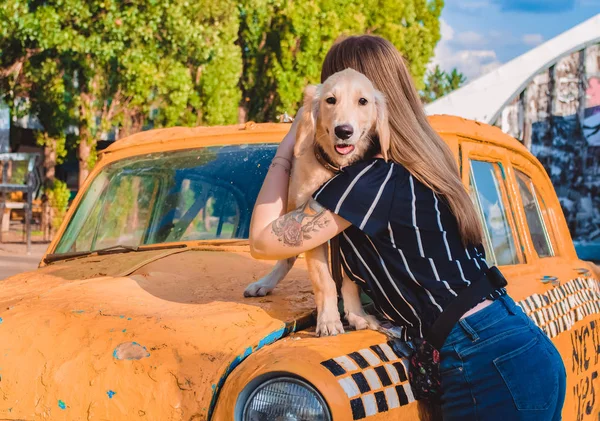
279 237
275 235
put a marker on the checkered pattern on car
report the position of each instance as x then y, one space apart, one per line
374 379
557 310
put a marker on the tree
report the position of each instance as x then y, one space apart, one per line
109 67
283 43
30 78
16 47
439 83
455 80
50 103
153 64
435 85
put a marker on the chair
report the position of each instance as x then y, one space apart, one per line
20 173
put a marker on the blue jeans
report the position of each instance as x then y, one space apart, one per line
498 365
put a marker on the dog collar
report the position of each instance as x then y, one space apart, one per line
324 160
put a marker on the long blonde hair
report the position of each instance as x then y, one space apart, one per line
414 143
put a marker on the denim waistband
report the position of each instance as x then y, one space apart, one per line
484 318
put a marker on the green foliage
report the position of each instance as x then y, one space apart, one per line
58 197
455 80
435 85
103 67
284 43
439 83
18 174
100 65
58 144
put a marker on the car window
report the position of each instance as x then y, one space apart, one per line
533 214
499 243
196 194
203 211
123 214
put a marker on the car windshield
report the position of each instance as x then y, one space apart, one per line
163 197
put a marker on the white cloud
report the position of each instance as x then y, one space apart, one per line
471 39
442 49
532 39
472 62
490 66
446 31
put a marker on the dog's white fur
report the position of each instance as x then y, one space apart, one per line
317 126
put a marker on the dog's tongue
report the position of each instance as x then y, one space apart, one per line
344 149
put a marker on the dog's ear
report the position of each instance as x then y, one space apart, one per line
382 126
307 126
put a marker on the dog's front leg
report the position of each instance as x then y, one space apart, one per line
328 317
353 309
266 284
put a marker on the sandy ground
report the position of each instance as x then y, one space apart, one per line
13 254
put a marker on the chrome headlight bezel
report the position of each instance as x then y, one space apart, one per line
259 383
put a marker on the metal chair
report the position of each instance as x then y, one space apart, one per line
20 173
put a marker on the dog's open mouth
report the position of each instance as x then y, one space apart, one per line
344 149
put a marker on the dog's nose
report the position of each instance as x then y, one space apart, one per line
344 131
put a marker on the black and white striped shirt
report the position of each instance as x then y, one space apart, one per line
403 247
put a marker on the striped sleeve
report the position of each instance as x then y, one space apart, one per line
361 194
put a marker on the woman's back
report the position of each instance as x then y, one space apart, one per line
404 246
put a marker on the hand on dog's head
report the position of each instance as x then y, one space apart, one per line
346 116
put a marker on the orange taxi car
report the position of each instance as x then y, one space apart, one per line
137 310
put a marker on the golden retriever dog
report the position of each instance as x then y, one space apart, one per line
344 120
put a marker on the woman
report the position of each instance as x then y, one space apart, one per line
420 247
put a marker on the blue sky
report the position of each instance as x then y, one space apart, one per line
479 35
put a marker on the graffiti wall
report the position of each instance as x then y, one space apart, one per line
557 117
586 353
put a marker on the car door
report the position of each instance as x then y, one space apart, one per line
527 237
484 172
570 300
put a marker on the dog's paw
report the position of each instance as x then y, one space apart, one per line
329 327
362 322
258 289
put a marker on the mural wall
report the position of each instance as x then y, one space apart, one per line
557 117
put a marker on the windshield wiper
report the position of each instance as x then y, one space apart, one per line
119 248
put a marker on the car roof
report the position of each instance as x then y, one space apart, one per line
474 130
268 132
273 132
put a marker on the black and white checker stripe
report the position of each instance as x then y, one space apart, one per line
374 379
557 310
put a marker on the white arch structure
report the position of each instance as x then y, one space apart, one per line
485 97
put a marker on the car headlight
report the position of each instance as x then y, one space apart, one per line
285 399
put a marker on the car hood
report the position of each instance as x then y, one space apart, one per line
149 333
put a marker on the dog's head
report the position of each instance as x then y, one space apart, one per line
346 116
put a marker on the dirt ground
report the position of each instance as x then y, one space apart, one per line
13 254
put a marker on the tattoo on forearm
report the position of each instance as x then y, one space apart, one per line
295 227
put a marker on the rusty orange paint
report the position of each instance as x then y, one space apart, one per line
70 326
136 335
301 355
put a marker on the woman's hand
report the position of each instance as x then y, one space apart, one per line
286 147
